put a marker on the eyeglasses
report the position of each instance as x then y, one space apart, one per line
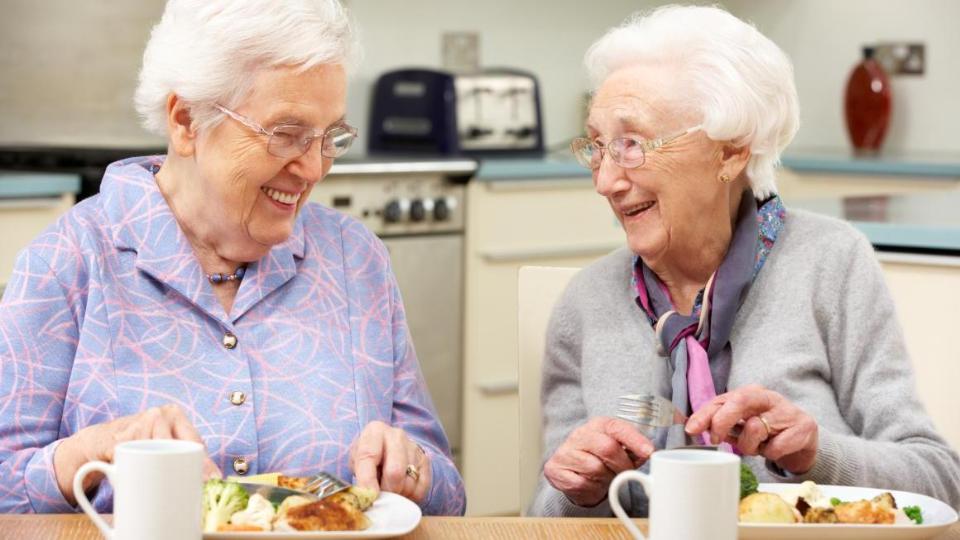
627 152
290 141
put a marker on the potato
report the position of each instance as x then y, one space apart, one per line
766 508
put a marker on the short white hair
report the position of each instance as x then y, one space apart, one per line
209 52
740 82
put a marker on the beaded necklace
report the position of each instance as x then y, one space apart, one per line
219 277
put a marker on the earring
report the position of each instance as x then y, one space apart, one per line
725 178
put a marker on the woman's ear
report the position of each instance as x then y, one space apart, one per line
734 160
183 136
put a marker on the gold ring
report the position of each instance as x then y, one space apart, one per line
766 426
413 472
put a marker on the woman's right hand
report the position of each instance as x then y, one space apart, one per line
96 443
585 464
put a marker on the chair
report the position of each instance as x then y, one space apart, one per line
539 287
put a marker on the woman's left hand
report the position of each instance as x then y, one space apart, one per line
385 458
773 426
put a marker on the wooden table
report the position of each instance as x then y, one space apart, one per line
78 527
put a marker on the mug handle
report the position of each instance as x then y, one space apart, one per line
614 492
82 472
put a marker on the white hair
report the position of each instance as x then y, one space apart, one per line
740 82
209 52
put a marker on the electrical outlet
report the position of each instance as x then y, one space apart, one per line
461 51
901 58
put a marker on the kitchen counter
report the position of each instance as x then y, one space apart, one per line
34 185
923 223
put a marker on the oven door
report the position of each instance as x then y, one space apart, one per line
429 270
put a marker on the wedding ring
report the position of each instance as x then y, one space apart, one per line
766 426
413 472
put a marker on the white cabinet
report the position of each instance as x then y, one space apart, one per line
557 222
926 291
792 184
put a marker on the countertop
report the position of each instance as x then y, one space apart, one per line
28 184
924 223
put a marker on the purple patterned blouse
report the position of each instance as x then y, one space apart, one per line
109 313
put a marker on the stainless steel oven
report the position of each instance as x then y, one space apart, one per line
417 209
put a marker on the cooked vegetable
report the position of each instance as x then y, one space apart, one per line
258 513
220 501
914 513
766 508
835 501
748 481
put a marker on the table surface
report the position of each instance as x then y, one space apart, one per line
78 527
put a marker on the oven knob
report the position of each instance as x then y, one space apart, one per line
393 212
441 210
417 210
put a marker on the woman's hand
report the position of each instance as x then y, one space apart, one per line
96 442
385 458
585 464
773 426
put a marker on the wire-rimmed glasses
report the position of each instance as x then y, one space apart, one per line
627 152
291 140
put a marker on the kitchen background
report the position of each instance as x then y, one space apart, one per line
68 69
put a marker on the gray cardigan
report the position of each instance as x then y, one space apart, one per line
818 326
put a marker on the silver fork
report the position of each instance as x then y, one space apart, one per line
324 485
649 410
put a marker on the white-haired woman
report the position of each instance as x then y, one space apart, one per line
200 297
724 302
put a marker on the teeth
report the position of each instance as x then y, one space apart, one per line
638 208
281 197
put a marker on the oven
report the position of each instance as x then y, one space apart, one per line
417 209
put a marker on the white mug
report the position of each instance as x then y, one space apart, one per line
693 495
157 490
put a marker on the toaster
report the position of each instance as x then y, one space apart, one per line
491 112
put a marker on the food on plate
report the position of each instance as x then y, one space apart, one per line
220 501
766 508
806 503
748 481
229 508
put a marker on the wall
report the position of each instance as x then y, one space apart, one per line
824 39
68 69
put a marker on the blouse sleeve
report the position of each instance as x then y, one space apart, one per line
413 411
38 340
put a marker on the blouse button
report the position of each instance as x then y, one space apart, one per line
229 340
240 465
237 398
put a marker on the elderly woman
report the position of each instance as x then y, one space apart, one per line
736 309
199 296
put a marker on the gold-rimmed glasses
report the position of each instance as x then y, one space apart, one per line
291 140
627 152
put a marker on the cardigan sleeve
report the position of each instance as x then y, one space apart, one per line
895 442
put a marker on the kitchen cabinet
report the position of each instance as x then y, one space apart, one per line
513 223
29 203
926 291
795 184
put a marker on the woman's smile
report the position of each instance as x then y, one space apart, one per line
283 200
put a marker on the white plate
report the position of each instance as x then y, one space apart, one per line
937 517
391 515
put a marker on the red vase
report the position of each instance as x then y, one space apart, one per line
868 104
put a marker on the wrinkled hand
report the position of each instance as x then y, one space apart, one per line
96 443
585 464
793 434
380 457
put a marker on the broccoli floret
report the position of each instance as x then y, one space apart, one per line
913 512
835 501
748 481
220 501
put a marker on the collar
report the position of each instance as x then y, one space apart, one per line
140 220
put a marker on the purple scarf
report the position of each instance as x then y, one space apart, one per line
699 344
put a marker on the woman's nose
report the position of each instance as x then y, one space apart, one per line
609 178
312 165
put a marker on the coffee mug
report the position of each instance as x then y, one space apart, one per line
157 490
693 494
